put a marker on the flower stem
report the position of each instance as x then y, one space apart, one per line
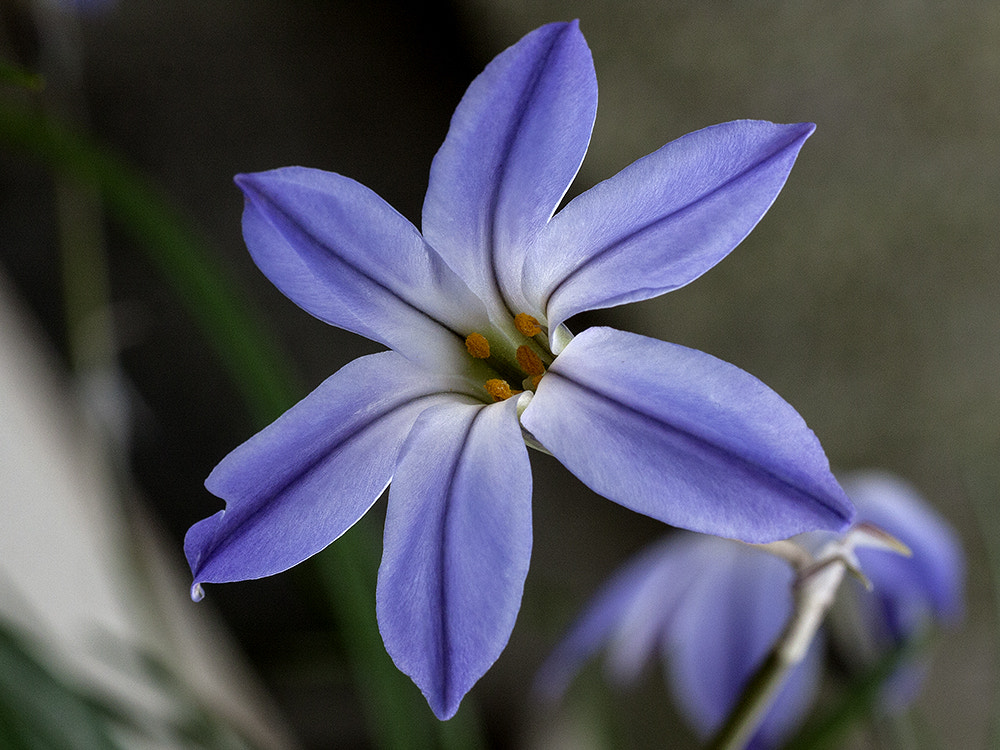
743 721
814 591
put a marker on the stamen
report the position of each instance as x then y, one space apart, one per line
529 361
477 345
498 389
527 325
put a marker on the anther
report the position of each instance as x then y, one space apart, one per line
529 361
527 325
477 345
498 389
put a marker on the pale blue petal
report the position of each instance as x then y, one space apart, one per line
663 221
343 254
685 438
909 594
303 481
935 573
515 143
457 547
734 613
628 614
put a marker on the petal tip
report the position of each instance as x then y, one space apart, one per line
197 592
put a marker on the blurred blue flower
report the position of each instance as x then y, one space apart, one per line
481 364
909 595
712 608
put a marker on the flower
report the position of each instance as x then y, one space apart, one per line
908 595
481 363
712 609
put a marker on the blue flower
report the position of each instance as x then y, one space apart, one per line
909 595
481 363
712 608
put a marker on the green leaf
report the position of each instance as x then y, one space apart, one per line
40 710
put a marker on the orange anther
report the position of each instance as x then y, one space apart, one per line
527 325
477 345
529 361
498 389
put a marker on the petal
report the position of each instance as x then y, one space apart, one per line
734 613
935 572
457 546
685 438
516 141
344 255
663 221
629 613
303 481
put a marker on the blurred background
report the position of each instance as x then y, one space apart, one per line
867 297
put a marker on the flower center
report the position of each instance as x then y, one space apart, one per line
521 362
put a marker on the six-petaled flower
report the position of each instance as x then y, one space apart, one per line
481 364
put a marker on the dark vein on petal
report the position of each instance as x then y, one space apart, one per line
445 644
275 494
332 252
711 447
610 247
528 94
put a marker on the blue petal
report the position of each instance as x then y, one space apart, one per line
934 574
303 481
735 611
516 141
457 546
908 593
629 612
663 221
685 438
343 254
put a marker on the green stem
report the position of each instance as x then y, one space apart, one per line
19 77
756 698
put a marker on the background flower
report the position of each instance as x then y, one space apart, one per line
712 608
909 595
